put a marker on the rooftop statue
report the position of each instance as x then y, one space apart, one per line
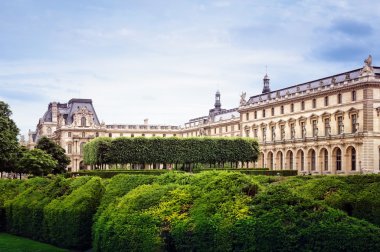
367 69
242 99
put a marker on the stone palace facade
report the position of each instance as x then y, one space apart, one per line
326 126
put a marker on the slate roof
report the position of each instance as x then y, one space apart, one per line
323 82
68 110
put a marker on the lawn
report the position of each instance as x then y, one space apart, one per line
18 244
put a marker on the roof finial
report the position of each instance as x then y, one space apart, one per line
266 88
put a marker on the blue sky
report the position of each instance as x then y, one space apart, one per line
164 60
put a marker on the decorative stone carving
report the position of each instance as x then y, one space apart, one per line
83 118
367 69
242 99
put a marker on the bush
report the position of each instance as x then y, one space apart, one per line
24 213
9 189
68 219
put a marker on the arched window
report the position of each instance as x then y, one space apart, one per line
83 121
338 160
353 159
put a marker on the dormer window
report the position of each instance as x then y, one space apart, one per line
83 121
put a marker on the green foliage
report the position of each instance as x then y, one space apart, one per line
140 150
8 138
68 219
9 189
24 213
56 151
37 162
111 173
120 185
207 211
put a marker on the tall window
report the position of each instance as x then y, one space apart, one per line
340 124
302 161
263 112
272 111
49 131
353 159
83 134
83 121
292 131
338 160
282 109
69 148
313 160
326 100
353 123
291 160
247 116
327 126
326 160
282 128
68 134
315 128
273 130
314 103
255 133
302 105
110 134
339 98
292 107
97 134
81 148
255 113
353 95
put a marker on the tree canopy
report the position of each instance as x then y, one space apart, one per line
8 138
56 151
37 162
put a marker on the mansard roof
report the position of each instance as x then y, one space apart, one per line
68 110
327 81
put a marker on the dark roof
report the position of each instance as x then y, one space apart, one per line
323 82
68 109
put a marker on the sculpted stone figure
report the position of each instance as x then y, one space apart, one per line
242 99
367 69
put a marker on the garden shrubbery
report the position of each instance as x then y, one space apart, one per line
68 219
207 211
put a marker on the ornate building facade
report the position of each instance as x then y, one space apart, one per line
326 126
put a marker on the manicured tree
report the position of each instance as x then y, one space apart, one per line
37 162
56 151
8 138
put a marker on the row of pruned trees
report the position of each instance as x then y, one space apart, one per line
179 151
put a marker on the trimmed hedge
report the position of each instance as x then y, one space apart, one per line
24 213
68 219
228 211
208 211
172 150
9 189
111 173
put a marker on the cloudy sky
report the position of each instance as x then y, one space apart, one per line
164 59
